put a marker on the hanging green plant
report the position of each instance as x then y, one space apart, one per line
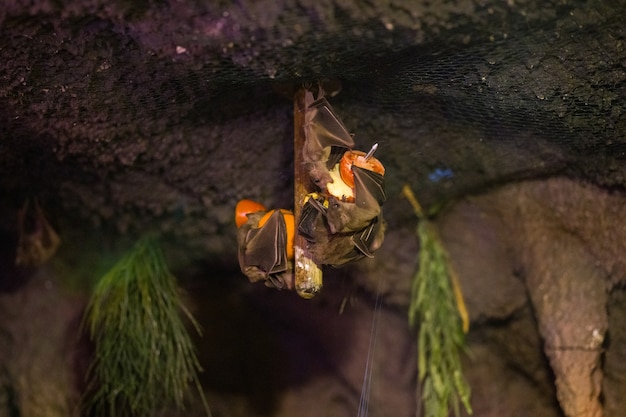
144 357
438 309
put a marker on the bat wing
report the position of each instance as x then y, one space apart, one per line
264 249
369 190
338 251
335 155
371 238
324 129
311 220
342 247
329 126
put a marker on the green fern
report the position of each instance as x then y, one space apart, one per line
144 357
438 310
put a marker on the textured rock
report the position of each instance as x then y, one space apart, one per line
614 382
549 241
569 297
40 333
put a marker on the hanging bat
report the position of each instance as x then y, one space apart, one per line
326 140
337 249
345 174
351 215
265 240
38 241
345 222
357 193
342 223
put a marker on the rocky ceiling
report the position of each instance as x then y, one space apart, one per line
129 118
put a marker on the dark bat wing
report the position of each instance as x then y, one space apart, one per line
369 190
323 129
338 251
368 240
329 125
264 249
311 220
336 153
343 248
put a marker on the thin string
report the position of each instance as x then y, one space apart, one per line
367 377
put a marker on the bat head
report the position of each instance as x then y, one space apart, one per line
348 217
319 174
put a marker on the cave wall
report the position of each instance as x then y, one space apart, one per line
131 118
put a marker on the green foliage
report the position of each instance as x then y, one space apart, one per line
441 337
144 357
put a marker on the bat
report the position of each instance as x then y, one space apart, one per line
369 195
337 249
326 140
343 222
353 200
38 241
265 244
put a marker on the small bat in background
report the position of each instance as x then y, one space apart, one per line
265 241
38 241
326 140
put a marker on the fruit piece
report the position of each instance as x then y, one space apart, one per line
360 159
245 207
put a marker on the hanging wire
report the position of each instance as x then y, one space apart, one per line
364 401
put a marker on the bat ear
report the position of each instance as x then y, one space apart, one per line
245 207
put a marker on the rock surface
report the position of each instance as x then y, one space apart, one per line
551 247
